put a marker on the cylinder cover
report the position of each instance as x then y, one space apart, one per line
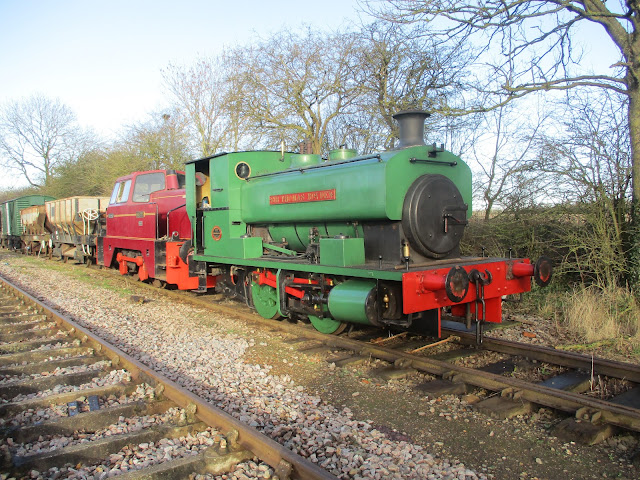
354 301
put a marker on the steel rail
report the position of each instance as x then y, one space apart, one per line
286 463
519 390
605 412
563 358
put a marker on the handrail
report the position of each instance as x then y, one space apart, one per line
313 167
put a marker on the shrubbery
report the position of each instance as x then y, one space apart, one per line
589 293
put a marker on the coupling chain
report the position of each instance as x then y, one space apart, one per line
480 280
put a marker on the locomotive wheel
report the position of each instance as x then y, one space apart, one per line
265 299
327 325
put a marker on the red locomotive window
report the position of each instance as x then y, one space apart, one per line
120 192
147 184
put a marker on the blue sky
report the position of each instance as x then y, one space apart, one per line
103 59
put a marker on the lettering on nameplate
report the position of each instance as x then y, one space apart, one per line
303 197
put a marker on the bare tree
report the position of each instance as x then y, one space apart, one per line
505 154
336 88
36 135
162 140
590 156
199 93
590 164
400 70
294 85
528 46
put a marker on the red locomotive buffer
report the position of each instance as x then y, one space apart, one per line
146 226
473 291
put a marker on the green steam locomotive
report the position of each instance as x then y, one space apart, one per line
348 239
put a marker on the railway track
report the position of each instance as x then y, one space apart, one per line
571 387
568 389
73 405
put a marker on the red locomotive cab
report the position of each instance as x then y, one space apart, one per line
146 214
173 221
140 203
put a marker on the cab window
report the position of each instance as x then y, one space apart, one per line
147 184
181 180
120 192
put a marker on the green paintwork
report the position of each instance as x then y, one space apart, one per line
342 252
10 212
225 206
342 154
362 271
358 185
297 235
326 325
301 161
347 300
275 248
367 189
265 299
245 247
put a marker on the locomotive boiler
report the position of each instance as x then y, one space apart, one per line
369 239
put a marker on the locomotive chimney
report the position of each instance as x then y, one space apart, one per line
411 127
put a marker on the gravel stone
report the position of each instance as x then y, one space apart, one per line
208 360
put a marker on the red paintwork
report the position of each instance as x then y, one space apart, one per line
303 197
178 219
268 278
142 227
178 271
122 262
424 290
432 282
523 270
136 225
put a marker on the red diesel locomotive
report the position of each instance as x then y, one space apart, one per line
146 226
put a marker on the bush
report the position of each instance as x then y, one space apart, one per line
584 241
528 233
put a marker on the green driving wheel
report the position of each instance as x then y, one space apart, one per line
265 299
327 325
